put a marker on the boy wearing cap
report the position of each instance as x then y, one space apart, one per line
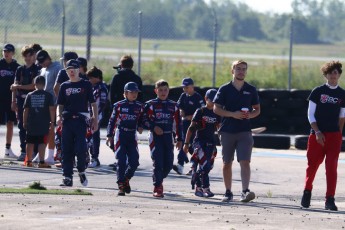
23 84
72 114
188 103
204 123
83 67
50 71
38 118
62 75
100 93
127 119
8 67
162 118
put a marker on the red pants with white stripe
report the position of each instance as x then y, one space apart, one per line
315 155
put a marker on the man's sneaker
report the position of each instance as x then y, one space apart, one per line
330 205
58 165
121 191
228 196
158 191
178 169
305 202
83 179
94 163
21 156
28 164
127 187
9 154
247 196
207 192
36 158
199 192
43 165
114 166
67 181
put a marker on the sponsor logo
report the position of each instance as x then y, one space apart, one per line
328 99
127 117
70 91
208 119
246 92
163 115
124 110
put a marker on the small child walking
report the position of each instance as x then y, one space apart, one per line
38 118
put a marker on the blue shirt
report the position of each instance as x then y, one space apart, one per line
75 96
100 93
189 104
126 116
230 99
328 104
207 120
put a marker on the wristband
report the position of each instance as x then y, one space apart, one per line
186 143
317 132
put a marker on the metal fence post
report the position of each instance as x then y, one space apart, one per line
89 30
214 49
63 29
290 54
139 41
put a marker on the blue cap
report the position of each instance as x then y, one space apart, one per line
187 81
9 47
132 87
210 94
69 55
72 64
82 61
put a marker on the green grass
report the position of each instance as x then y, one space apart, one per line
261 73
37 188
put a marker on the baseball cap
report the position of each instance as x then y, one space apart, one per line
41 56
210 94
187 81
9 47
72 64
69 55
82 61
131 86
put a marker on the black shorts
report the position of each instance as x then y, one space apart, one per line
30 139
6 114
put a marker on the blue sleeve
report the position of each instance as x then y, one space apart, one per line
220 96
201 101
18 74
148 117
255 98
61 96
90 97
180 103
27 101
197 115
112 121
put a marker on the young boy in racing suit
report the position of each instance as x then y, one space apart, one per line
204 123
162 118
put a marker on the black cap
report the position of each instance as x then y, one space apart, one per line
72 64
9 47
82 61
69 55
211 93
41 56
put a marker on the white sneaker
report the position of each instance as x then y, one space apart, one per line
178 169
36 158
9 154
94 163
247 196
49 160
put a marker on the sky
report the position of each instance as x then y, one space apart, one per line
274 6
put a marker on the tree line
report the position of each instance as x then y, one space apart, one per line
315 21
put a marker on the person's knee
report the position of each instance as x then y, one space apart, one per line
227 165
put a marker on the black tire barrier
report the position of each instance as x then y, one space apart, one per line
301 142
292 103
268 141
302 94
274 94
175 93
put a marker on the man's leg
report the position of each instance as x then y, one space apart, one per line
227 175
245 174
9 132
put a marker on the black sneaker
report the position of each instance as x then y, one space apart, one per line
67 181
330 205
127 187
305 202
83 179
228 196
